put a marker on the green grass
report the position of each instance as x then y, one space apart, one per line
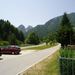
67 52
39 47
25 45
49 66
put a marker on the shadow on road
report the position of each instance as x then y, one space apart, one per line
1 58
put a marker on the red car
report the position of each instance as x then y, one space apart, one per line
0 52
11 49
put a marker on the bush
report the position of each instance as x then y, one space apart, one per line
32 39
52 43
4 43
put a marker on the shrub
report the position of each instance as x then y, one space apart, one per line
32 39
4 43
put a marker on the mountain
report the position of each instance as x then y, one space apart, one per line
28 28
22 28
51 25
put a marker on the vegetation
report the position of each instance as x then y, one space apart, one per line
51 38
67 66
67 53
4 43
32 39
49 66
9 34
67 61
51 26
65 32
65 36
39 47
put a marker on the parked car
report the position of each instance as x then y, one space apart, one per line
11 49
0 52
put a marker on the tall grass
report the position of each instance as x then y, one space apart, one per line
67 52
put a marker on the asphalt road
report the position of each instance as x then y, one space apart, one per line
20 63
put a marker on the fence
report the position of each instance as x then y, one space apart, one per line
67 66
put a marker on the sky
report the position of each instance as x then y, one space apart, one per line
33 12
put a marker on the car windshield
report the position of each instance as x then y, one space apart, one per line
9 46
14 46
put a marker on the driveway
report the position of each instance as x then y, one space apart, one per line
20 63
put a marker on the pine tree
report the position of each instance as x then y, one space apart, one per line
65 31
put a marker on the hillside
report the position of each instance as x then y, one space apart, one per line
50 26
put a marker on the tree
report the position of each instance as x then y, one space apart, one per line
10 33
51 36
1 29
32 39
21 36
13 39
65 32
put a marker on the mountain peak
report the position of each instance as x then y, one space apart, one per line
22 28
28 28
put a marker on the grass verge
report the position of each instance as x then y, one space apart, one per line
49 66
39 47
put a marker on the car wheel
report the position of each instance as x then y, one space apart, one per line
13 53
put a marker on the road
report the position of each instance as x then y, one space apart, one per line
16 65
